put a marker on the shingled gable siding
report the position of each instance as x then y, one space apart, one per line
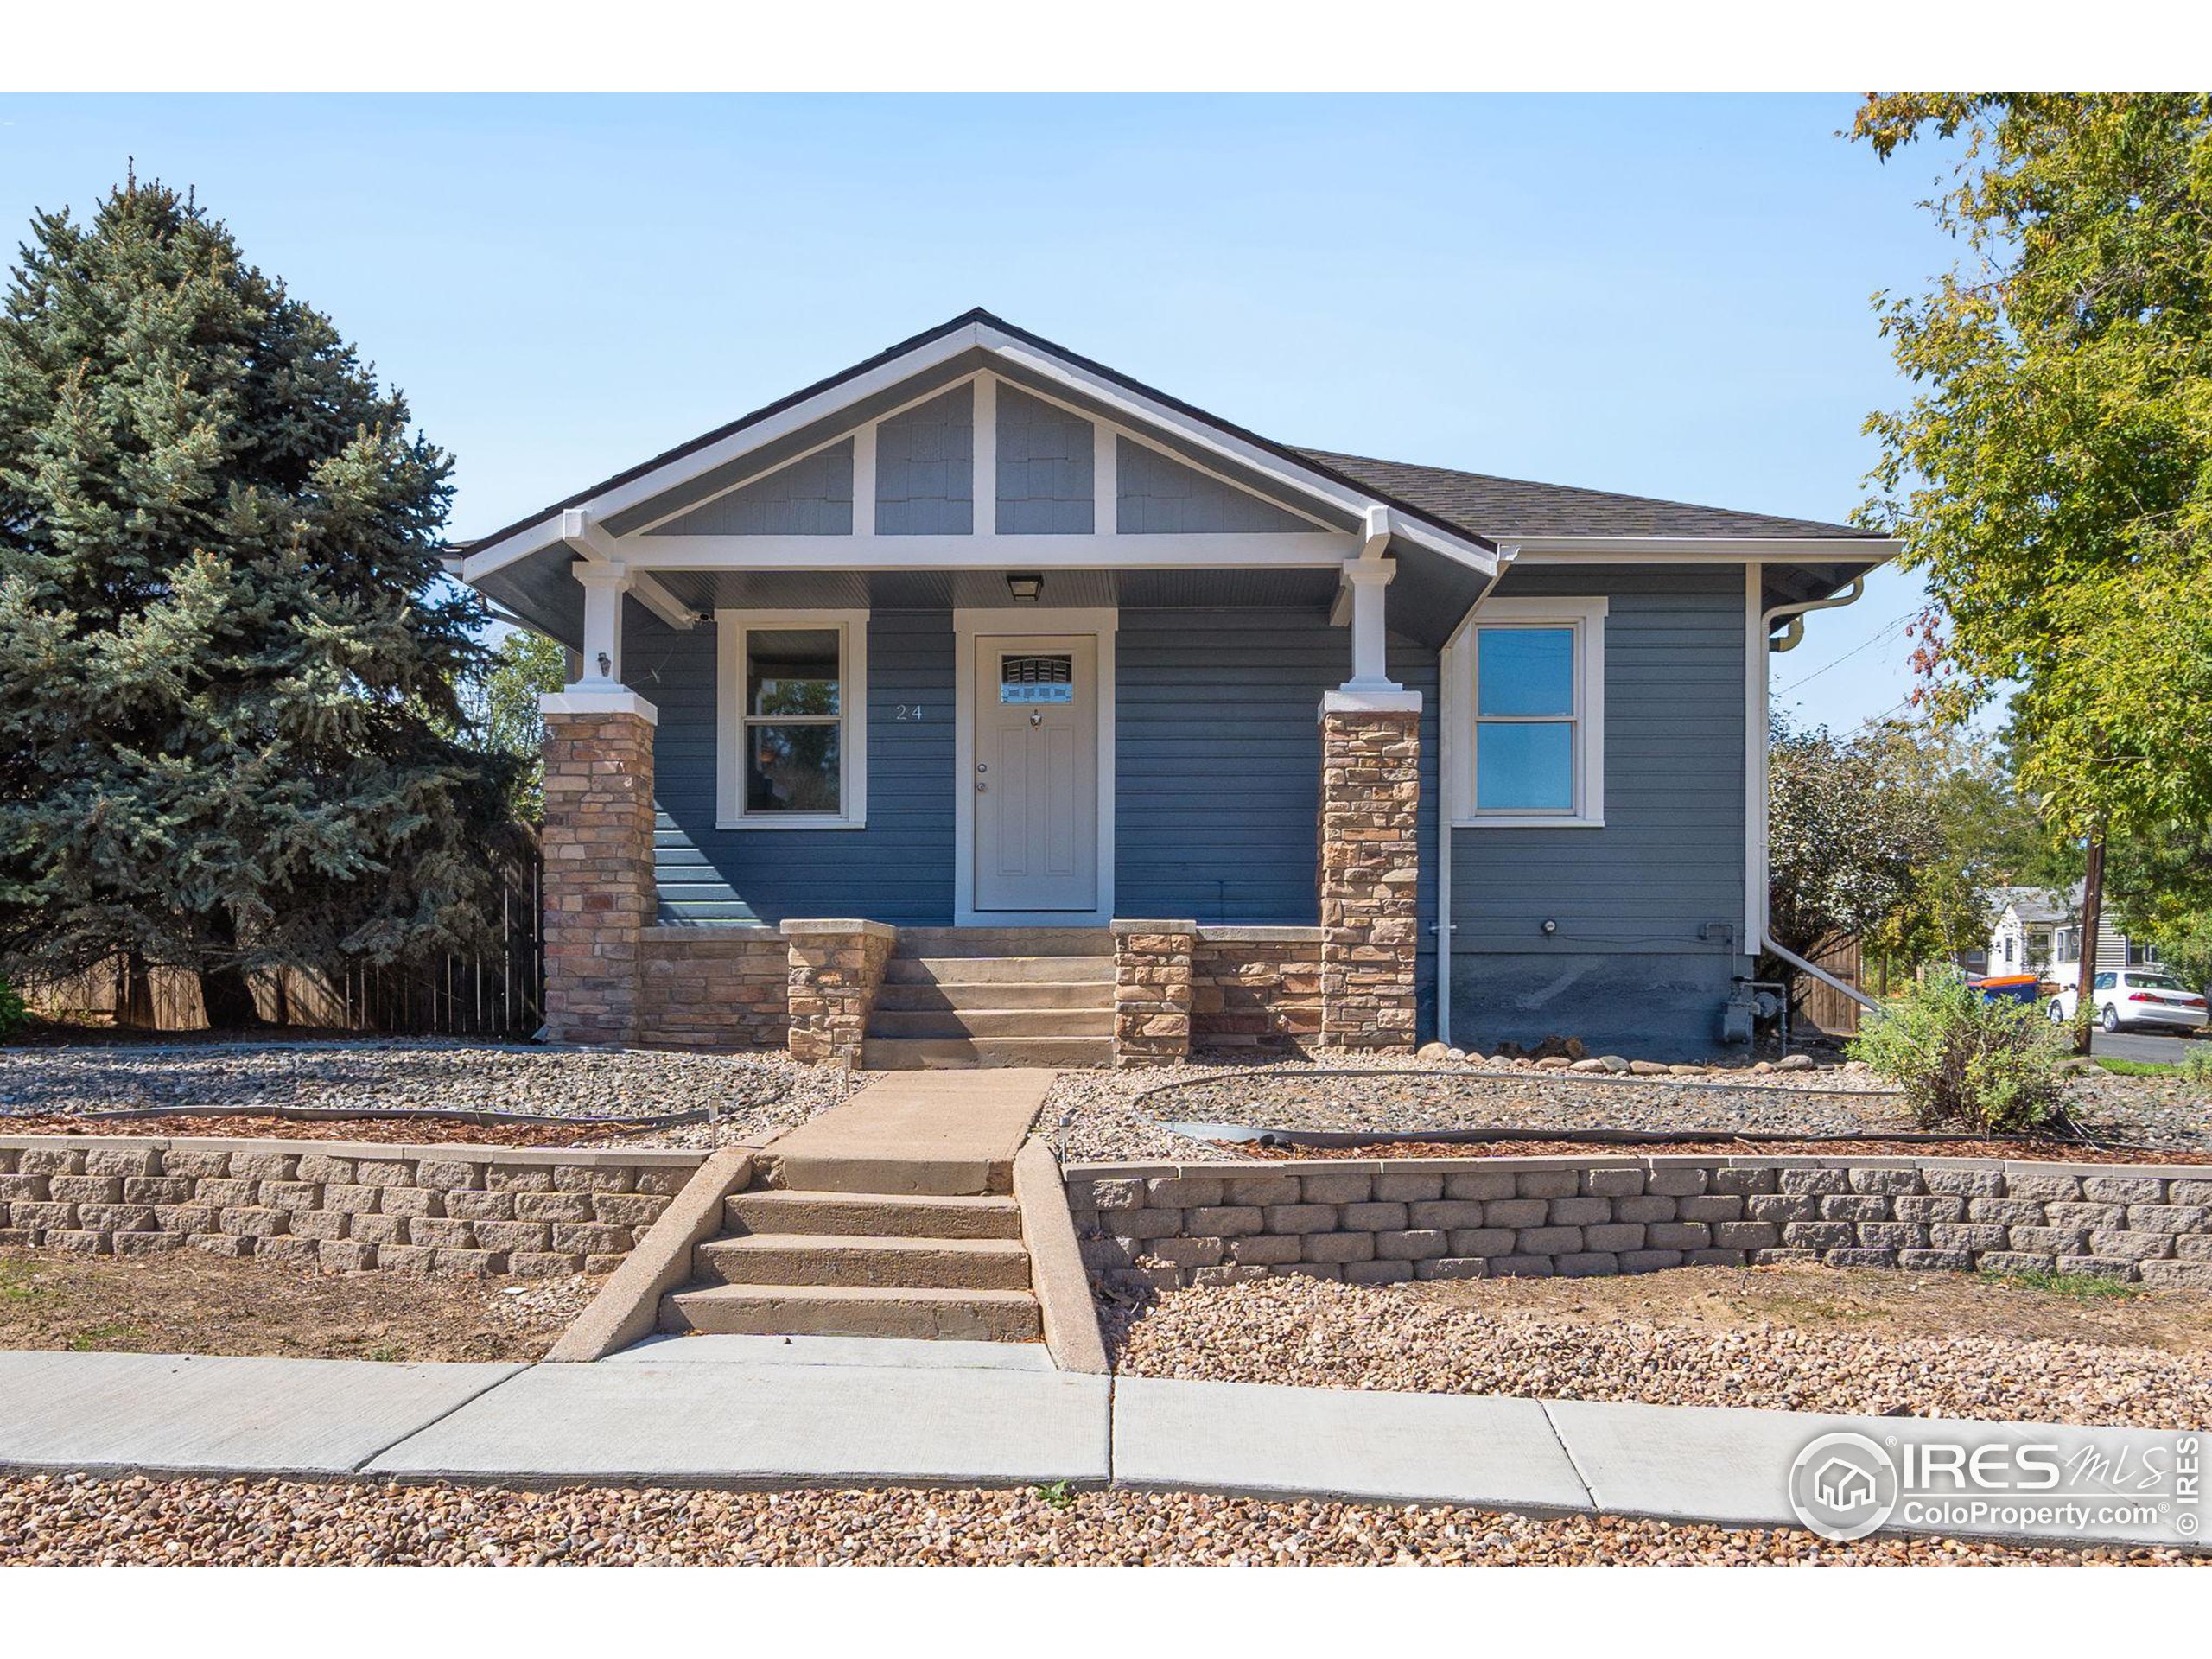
1626 968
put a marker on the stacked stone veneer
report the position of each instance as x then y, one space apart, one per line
834 969
334 1204
713 986
1151 991
1370 867
1256 988
598 844
1378 1222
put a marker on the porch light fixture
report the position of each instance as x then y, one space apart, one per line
1025 589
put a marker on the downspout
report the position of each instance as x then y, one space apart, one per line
1446 777
1791 636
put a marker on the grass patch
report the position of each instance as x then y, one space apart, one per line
19 1282
94 1338
2080 1287
2137 1068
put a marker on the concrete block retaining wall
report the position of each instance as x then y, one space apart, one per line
339 1204
1378 1222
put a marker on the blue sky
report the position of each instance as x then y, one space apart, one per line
1662 295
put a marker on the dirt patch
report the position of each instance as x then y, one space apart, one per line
412 1130
2063 1151
190 1303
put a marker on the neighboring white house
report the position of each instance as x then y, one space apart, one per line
2039 931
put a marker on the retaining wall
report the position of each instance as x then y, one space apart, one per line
1376 1222
339 1204
713 988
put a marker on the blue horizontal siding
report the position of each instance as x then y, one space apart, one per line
1670 858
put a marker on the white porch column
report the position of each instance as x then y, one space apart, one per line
604 584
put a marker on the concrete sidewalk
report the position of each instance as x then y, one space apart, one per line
854 1411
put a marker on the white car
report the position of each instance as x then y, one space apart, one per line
2149 997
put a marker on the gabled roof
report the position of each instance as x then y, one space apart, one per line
2039 904
1508 509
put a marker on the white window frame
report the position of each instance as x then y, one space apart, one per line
731 627
1587 617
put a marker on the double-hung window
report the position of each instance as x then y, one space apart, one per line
1526 688
792 718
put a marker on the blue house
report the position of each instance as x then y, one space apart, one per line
979 703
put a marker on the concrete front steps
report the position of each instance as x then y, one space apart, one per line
965 996
830 1263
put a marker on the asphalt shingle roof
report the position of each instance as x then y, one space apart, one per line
1501 508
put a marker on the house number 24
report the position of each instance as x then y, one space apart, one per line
906 712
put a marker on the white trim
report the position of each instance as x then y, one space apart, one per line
1132 406
1702 550
864 478
983 485
1105 478
1289 550
824 406
597 702
730 629
970 624
1756 677
1586 616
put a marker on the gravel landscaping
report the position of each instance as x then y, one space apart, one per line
1794 1339
190 1303
757 1096
1123 1115
70 1519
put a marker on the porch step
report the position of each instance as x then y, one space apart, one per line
935 1053
848 1311
909 995
882 1215
948 971
1006 942
1063 1021
862 1261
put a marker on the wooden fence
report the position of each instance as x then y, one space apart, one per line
1823 1005
500 994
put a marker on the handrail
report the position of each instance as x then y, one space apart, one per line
1821 974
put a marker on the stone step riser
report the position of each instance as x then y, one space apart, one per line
1005 942
992 1023
995 995
788 1310
1000 970
871 1264
871 1215
949 1053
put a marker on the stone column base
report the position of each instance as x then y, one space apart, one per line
1152 992
836 966
598 862
1370 873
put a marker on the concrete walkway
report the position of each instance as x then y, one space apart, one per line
933 1133
742 1410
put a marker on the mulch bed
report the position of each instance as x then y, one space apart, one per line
2062 1151
423 1130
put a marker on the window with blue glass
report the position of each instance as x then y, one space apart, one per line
1527 693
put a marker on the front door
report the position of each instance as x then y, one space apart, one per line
1036 782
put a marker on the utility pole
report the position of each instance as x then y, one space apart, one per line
2093 907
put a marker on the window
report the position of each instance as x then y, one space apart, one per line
2067 945
1525 687
792 705
2104 981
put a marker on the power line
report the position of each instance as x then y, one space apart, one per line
1887 629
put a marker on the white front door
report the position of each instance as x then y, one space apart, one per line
1036 772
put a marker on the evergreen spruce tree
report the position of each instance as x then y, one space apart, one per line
230 737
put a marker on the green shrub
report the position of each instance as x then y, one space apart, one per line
1966 1063
2196 1063
14 1016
